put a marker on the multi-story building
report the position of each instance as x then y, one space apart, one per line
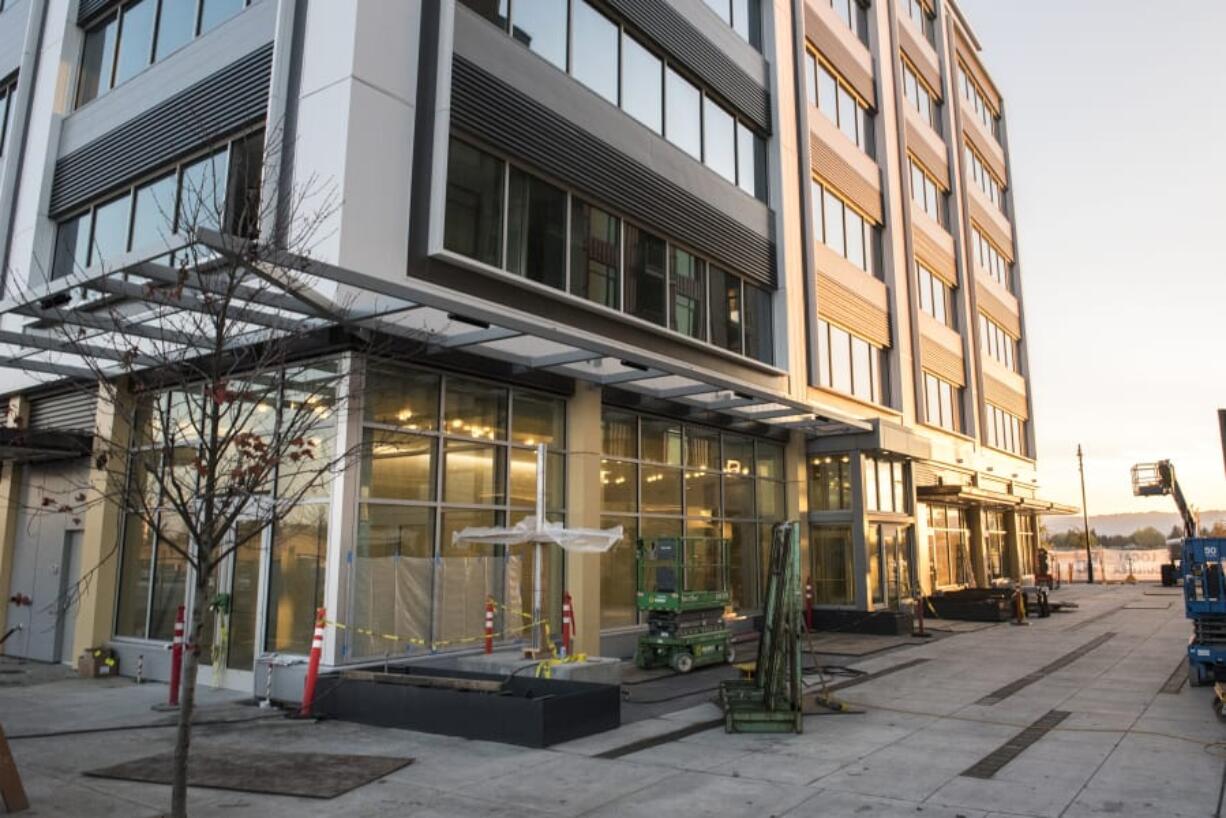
735 261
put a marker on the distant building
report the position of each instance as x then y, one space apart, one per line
736 262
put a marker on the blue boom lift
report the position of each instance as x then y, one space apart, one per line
1202 575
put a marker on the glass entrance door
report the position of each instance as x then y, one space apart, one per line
232 611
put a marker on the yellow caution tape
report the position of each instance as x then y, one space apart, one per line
437 643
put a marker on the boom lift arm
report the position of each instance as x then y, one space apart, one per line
1156 479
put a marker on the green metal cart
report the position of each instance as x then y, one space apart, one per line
683 585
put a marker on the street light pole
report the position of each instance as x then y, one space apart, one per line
1085 516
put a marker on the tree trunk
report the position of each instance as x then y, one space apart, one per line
187 698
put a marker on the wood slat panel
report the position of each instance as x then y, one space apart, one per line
919 56
1005 397
939 360
935 257
998 310
831 46
838 304
845 179
993 225
932 158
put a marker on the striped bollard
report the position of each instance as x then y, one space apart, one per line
489 626
317 648
568 623
176 657
809 604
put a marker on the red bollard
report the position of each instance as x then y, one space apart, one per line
489 625
568 623
809 604
317 649
176 657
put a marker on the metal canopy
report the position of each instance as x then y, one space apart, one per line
137 296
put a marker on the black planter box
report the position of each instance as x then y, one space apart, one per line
883 623
528 711
975 605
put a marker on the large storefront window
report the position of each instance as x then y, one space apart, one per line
995 536
1026 546
154 574
830 548
889 563
948 545
663 478
885 485
442 453
830 483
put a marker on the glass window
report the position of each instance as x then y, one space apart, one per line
594 50
661 441
473 473
176 26
828 94
646 284
202 192
523 482
136 39
391 575
619 486
215 12
702 449
133 609
660 489
848 115
536 230
861 368
840 359
296 578
541 25
702 494
97 60
682 114
153 213
538 419
6 98
398 466
759 330
72 246
726 310
475 410
834 225
856 250
686 288
619 432
811 78
750 162
242 205
747 20
832 571
595 258
110 238
722 8
473 221
642 84
719 134
402 398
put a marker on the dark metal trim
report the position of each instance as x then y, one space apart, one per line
217 106
510 121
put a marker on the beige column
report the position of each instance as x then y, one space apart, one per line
978 547
100 543
583 501
10 493
1012 557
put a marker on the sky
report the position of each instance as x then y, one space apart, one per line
1116 115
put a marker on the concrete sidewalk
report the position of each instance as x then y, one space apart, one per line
1125 748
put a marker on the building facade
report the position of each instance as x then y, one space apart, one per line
735 262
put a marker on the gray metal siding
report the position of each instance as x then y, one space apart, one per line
686 44
223 102
68 411
494 112
88 9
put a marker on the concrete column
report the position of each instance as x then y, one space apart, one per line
583 503
796 500
1013 552
103 520
978 547
859 542
10 492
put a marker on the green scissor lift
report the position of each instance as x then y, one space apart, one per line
683 585
771 702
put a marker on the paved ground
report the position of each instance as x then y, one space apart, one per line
1125 748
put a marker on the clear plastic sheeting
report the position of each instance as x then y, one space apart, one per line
528 530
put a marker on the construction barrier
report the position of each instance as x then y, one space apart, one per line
568 623
176 657
489 625
317 647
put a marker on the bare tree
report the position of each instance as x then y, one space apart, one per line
202 360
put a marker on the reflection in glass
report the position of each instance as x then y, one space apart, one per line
97 61
473 221
617 578
719 136
176 26
619 431
475 410
645 275
660 490
642 84
595 254
682 116
110 239
137 42
759 327
538 419
686 285
169 577
215 12
473 473
536 230
832 572
402 398
541 25
397 466
661 440
594 50
725 310
136 561
153 216
619 486
296 578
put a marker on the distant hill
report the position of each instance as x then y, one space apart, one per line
1122 524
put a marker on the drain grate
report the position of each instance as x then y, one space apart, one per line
998 696
994 761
